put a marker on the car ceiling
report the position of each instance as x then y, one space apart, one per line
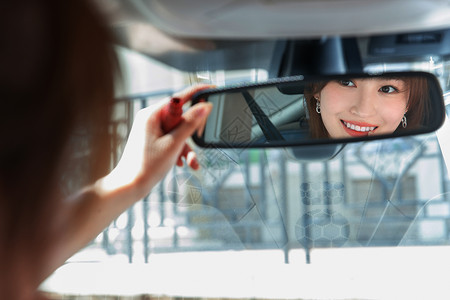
241 34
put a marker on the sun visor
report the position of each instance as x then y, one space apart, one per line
289 19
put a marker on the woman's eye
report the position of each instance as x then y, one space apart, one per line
388 89
346 82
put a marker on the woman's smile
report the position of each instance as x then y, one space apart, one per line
354 128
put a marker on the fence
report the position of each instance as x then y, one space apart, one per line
386 193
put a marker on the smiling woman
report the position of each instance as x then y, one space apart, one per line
366 106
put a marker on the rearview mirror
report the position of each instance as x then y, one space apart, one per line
300 110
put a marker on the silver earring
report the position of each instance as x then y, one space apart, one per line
317 105
404 122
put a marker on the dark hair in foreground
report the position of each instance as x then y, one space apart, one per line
417 114
56 81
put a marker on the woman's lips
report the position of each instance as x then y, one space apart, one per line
358 129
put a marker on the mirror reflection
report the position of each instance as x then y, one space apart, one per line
366 106
295 111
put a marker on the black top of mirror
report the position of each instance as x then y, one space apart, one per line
312 110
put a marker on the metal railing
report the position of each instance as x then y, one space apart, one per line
372 194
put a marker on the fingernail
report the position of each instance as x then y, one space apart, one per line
195 164
202 111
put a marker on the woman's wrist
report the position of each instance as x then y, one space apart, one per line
116 187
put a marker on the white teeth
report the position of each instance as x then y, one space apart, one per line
358 128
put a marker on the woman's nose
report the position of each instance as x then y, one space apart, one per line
365 105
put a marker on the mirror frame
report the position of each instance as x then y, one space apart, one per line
437 108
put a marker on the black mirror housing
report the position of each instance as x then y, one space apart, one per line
321 110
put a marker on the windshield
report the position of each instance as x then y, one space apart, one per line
254 219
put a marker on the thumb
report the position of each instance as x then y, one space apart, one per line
192 120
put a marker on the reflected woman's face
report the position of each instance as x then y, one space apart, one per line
361 107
